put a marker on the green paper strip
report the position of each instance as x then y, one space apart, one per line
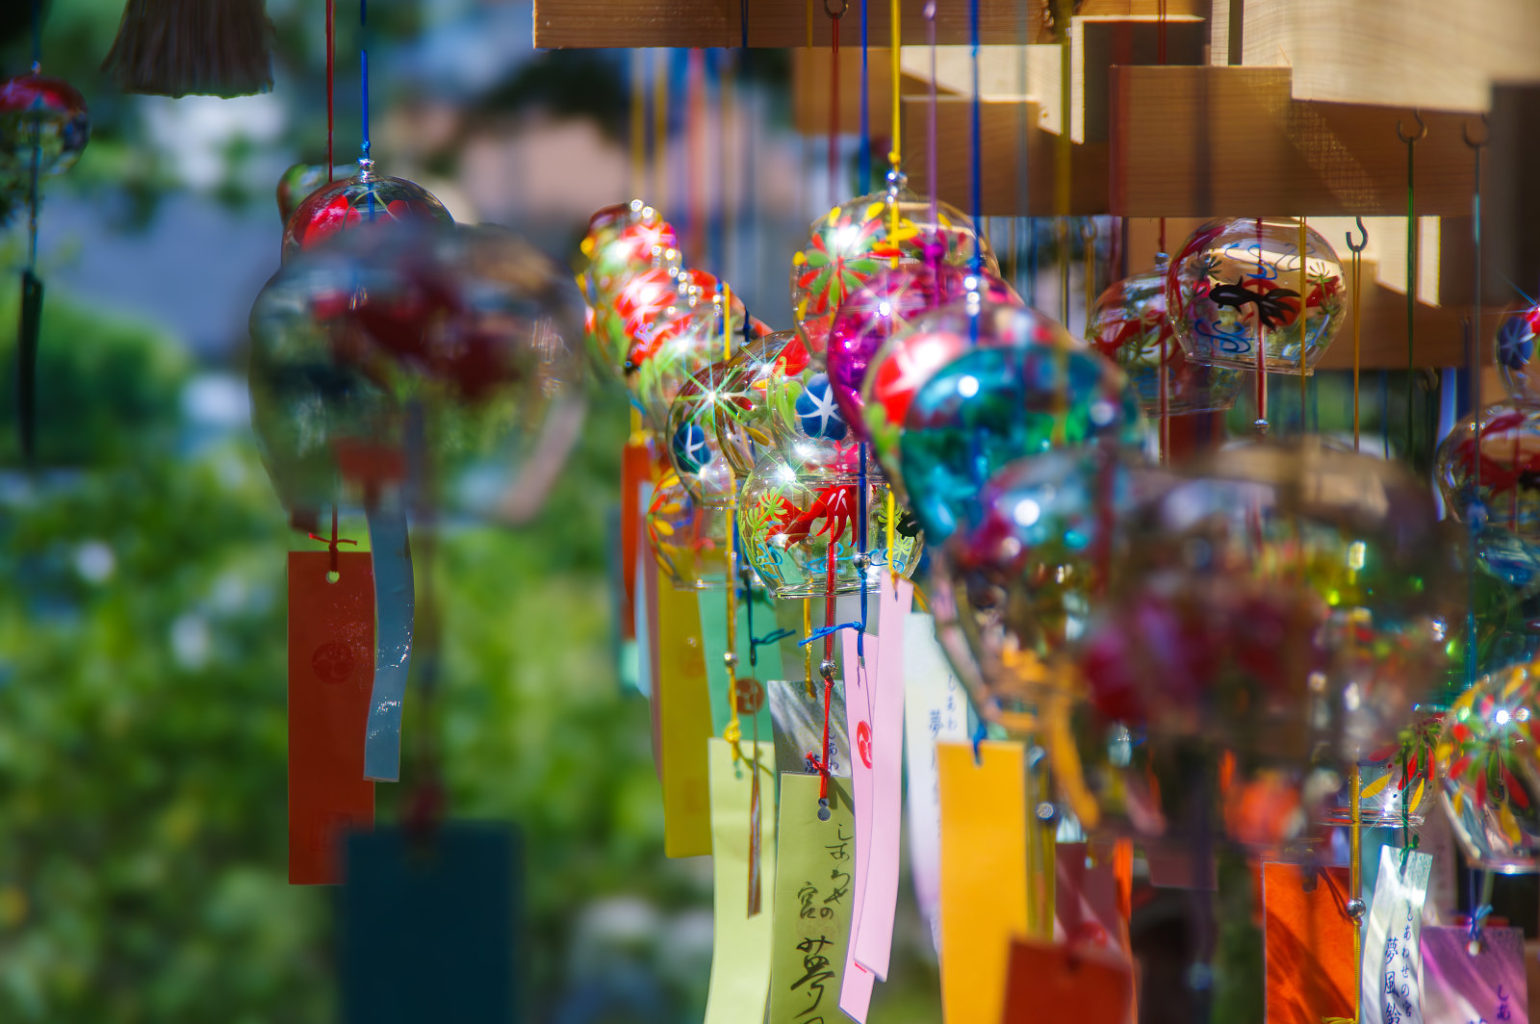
713 624
815 872
740 955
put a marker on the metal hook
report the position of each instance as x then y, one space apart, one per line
1348 235
1088 229
831 12
1422 129
1486 137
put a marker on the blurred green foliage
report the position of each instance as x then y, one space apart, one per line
142 710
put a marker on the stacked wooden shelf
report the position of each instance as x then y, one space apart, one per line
1262 108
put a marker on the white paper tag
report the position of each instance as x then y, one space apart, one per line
1390 991
935 708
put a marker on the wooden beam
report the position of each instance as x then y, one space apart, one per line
579 24
1096 43
772 23
811 78
1226 141
1432 54
1009 139
1513 203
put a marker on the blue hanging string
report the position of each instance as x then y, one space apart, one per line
363 75
746 594
978 173
866 112
861 547
37 36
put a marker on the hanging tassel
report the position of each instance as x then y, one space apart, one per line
204 47
26 362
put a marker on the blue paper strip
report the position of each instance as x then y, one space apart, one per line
395 605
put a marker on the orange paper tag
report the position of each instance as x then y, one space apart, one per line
1056 984
684 724
1309 939
331 670
983 875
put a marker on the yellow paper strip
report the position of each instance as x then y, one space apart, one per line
983 875
684 715
740 952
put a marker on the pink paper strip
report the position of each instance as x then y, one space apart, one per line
856 988
873 941
1458 987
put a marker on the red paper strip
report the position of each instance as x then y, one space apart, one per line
331 670
1054 984
635 471
1309 940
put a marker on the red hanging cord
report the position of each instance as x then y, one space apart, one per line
834 113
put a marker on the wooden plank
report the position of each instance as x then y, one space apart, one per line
1097 44
1001 151
811 78
1033 71
579 24
1439 341
772 23
1226 141
1513 201
1432 54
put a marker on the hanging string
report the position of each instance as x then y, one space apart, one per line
1304 307
897 127
1163 381
1473 385
363 77
806 645
638 122
29 325
695 137
1024 128
331 81
1356 885
721 214
1357 267
834 101
977 177
1062 154
1411 266
659 125
1261 422
37 36
866 108
930 154
1088 233
734 732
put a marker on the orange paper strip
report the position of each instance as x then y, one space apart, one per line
983 875
684 724
331 670
1309 940
1055 984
